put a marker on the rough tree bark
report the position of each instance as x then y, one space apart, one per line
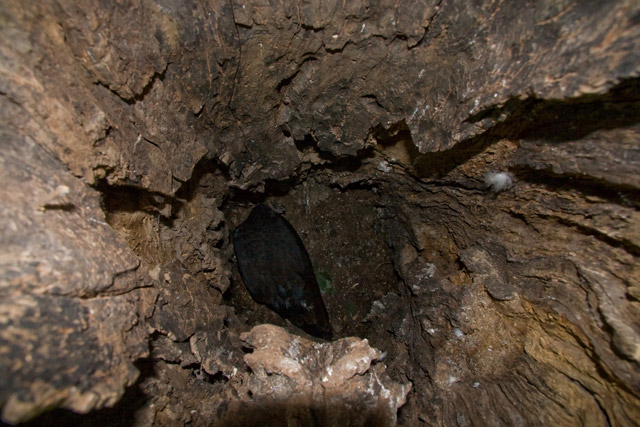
127 127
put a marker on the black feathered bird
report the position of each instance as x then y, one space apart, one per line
277 271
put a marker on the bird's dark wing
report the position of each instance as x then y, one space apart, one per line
276 270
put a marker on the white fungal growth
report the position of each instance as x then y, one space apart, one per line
498 181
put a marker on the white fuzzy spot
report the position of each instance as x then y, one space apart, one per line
458 333
476 384
498 181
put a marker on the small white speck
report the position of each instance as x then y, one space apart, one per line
476 384
61 190
384 166
335 36
362 29
431 331
458 333
97 221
